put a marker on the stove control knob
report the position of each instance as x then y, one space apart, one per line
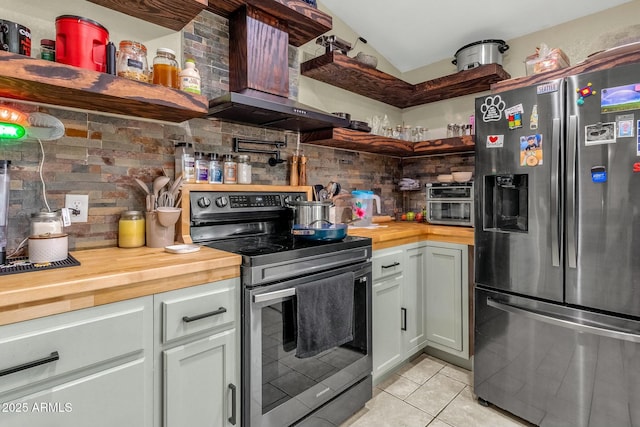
221 202
287 200
203 202
298 198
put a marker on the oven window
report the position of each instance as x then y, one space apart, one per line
450 210
285 376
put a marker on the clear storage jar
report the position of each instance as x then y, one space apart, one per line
244 169
131 229
131 61
46 223
230 170
166 69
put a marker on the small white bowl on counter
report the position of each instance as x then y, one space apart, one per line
461 176
445 178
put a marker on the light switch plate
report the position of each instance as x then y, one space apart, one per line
79 203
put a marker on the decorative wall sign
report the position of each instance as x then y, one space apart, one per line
492 109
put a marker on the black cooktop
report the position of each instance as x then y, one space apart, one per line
270 249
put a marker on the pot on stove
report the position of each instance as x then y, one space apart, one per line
307 213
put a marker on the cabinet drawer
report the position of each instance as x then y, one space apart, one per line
44 348
387 264
198 309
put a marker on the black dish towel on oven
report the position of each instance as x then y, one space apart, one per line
325 314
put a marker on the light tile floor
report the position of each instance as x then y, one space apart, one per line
429 392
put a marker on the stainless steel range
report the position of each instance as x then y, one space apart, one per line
281 384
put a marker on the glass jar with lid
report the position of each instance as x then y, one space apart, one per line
244 169
131 62
230 169
165 68
131 229
46 222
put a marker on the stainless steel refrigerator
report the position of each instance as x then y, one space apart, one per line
557 250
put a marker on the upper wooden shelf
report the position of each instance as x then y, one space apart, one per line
349 139
347 73
305 22
36 80
170 14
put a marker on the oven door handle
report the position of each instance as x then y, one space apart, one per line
271 296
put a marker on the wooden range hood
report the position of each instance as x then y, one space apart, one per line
259 77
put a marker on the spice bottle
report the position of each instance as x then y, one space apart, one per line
230 170
48 49
185 161
202 167
244 169
131 229
190 77
165 68
131 62
215 169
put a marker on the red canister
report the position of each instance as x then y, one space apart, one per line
81 42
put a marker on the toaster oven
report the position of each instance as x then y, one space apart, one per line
450 203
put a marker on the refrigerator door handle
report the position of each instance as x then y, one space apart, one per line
572 147
565 323
555 197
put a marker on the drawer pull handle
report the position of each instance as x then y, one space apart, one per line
395 264
403 326
232 418
51 358
202 316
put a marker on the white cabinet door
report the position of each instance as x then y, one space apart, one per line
387 339
199 382
112 397
414 301
447 298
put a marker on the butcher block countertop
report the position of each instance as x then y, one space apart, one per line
109 275
393 233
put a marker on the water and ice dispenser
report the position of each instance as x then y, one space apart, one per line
506 203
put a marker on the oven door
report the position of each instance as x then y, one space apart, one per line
279 388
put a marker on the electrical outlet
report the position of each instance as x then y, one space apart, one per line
80 203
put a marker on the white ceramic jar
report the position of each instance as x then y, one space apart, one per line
48 247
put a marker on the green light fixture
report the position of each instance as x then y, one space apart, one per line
11 131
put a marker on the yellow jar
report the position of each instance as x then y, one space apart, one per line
131 229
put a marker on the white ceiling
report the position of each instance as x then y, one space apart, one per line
414 33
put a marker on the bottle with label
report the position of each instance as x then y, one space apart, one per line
165 68
215 169
202 167
185 161
230 170
190 77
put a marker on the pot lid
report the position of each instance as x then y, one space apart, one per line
488 41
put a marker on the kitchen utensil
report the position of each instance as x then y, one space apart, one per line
321 231
168 216
142 185
461 176
446 178
166 199
4 208
158 183
362 206
303 170
306 212
81 42
370 60
323 195
48 247
294 175
479 53
15 38
175 186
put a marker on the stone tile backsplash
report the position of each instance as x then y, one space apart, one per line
100 155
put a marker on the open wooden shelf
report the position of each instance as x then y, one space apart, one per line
348 139
36 80
172 14
339 70
304 21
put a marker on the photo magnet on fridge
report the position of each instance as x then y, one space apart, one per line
531 150
638 140
600 133
620 98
